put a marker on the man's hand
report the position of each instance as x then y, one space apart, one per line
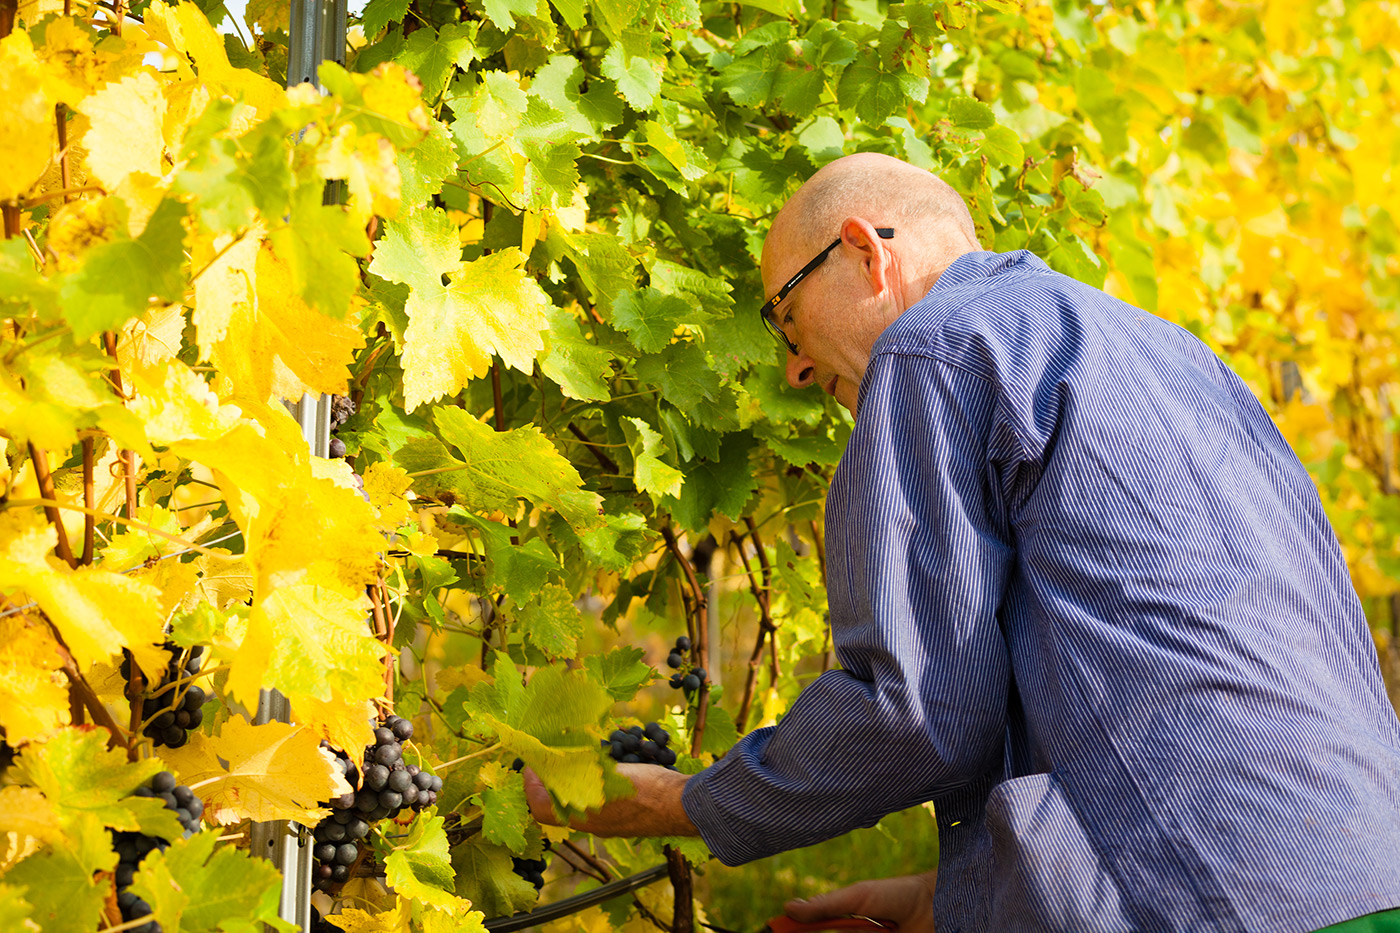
654 811
907 900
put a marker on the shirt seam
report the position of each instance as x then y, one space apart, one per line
1003 408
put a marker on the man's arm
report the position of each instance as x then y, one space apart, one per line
655 810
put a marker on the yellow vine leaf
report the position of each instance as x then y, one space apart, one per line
343 723
308 641
96 611
75 69
33 691
127 131
175 580
226 282
385 484
175 404
369 165
394 920
487 306
26 112
151 339
26 811
224 579
278 345
456 918
275 771
185 28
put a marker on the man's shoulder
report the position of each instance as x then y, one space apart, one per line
984 305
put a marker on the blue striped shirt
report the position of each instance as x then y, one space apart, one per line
1088 603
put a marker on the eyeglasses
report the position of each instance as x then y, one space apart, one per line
765 312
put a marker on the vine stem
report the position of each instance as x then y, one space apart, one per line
89 501
683 920
127 457
109 517
699 633
766 626
774 670
476 754
50 502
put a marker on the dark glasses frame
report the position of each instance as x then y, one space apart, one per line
765 312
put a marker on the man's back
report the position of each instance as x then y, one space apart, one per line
1197 736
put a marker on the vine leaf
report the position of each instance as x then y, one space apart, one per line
33 694
420 866
96 611
505 812
194 888
459 314
16 911
496 468
65 895
484 876
274 771
27 113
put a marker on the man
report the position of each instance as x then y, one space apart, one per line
1085 598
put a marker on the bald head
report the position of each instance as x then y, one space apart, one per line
882 189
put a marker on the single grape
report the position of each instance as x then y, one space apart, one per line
344 817
335 832
366 800
674 659
410 795
403 729
164 721
347 853
424 780
336 448
324 852
376 776
344 801
388 754
340 873
400 781
174 737
323 872
357 829
700 672
383 735
683 643
690 684
194 698
676 679
390 799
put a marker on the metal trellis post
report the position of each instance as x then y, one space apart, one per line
316 33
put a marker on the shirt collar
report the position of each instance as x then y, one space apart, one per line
983 264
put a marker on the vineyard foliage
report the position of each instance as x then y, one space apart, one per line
539 290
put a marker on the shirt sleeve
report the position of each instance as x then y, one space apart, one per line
917 560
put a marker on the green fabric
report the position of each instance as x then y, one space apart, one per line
1387 921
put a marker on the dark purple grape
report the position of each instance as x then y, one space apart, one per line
676 681
403 729
174 737
390 799
437 783
388 754
411 795
334 832
700 672
376 776
366 800
683 643
325 852
164 721
340 873
357 829
344 801
323 871
182 719
194 698
196 717
383 736
347 853
691 683
400 781
336 448
423 779
343 817
674 659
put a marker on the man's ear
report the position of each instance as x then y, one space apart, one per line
859 234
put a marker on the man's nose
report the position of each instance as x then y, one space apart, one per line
800 370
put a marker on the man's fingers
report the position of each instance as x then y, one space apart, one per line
541 807
839 903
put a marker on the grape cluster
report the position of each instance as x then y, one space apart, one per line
641 745
530 869
679 660
169 711
132 847
342 407
386 786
